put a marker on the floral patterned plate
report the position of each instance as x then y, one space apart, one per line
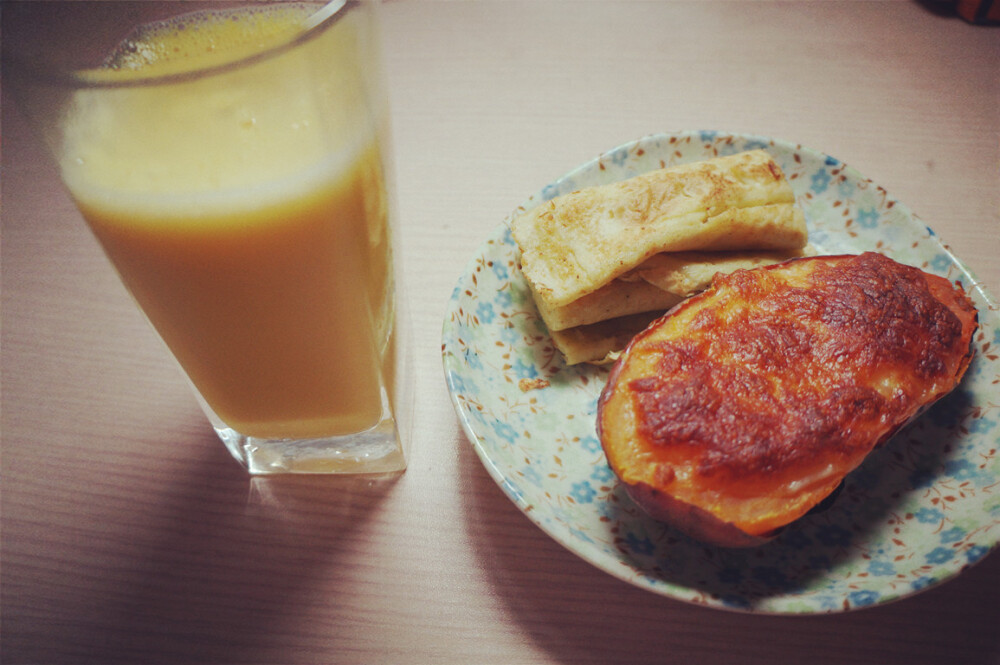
918 511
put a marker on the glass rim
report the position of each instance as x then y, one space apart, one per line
327 13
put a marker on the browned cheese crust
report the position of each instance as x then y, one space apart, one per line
748 404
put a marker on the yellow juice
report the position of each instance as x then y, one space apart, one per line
246 213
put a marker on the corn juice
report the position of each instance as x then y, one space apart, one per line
246 211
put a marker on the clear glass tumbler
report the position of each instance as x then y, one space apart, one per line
230 158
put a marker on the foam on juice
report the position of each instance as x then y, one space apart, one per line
206 39
221 141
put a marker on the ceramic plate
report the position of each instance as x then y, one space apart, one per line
919 510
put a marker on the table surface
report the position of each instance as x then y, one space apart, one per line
130 534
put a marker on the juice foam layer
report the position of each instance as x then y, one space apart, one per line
204 39
265 131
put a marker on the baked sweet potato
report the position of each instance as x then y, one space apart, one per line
744 407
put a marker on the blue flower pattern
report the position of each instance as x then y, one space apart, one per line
500 271
510 335
582 492
862 598
940 263
505 431
642 546
975 553
961 469
473 360
868 218
982 426
485 312
820 181
550 192
952 535
846 189
619 157
807 553
929 515
880 567
591 444
532 475
523 370
602 474
940 555
504 299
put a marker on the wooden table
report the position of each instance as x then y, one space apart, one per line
130 535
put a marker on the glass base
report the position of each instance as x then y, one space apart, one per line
376 450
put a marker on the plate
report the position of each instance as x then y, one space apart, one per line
917 512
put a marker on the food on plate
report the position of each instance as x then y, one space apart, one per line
532 384
744 407
600 343
644 244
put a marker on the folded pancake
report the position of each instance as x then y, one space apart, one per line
576 243
644 244
658 284
616 299
600 343
745 406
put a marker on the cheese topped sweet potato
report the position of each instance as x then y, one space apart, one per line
745 406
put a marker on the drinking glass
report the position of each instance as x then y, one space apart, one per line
231 159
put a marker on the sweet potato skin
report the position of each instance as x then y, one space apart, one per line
745 406
692 520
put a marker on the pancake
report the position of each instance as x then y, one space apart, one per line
574 244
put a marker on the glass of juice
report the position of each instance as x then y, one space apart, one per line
231 159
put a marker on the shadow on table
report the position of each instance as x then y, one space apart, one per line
223 564
579 614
